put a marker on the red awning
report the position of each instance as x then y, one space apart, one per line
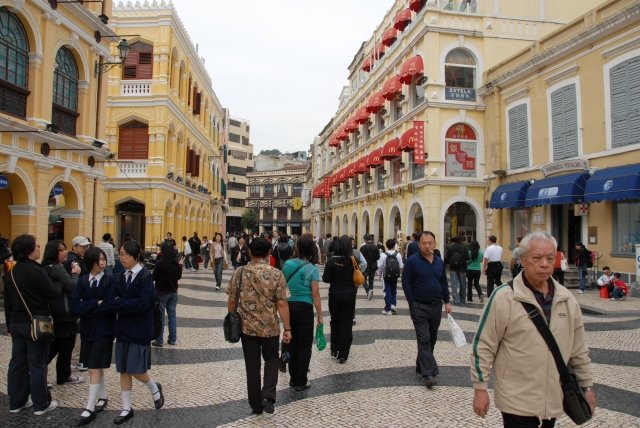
318 191
411 69
352 126
342 134
342 175
334 142
416 5
374 158
389 36
392 88
362 115
375 103
361 165
351 170
366 65
402 19
391 150
408 140
334 179
378 51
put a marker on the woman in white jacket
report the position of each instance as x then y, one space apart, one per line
187 254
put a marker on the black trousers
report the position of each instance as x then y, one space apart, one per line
494 275
473 278
253 348
426 320
62 347
342 308
370 277
515 421
301 316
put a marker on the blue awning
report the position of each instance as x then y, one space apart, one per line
509 195
559 189
612 184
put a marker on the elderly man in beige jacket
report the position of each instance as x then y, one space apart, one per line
526 381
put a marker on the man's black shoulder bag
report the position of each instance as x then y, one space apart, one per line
232 324
574 403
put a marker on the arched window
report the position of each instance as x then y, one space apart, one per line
14 65
65 92
460 72
461 148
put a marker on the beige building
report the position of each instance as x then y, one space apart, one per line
52 109
406 150
239 163
565 137
166 125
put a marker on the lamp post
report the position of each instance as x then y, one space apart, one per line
123 52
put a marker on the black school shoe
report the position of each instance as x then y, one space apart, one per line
101 404
160 401
119 420
267 405
85 420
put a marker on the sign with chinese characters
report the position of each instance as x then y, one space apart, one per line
459 94
461 154
327 187
418 148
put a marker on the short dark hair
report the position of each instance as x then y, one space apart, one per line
134 249
328 235
428 233
390 243
259 247
344 247
493 239
606 268
22 246
305 247
617 275
106 237
283 238
92 257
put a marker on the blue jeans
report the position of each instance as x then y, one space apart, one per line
458 280
617 293
168 303
27 374
390 292
219 264
187 262
582 275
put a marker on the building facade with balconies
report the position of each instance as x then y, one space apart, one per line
279 198
166 126
565 135
406 150
52 105
240 162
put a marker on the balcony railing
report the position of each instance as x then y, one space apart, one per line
135 88
133 169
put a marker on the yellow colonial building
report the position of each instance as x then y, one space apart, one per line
52 105
165 126
406 150
564 137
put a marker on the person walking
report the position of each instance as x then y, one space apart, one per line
205 250
424 281
97 320
338 273
558 273
263 296
218 257
492 264
65 320
283 251
371 254
474 270
583 262
303 281
186 252
390 272
195 243
27 294
526 384
457 257
515 264
240 253
166 275
413 247
133 300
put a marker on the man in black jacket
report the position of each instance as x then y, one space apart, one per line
457 258
371 254
195 243
79 245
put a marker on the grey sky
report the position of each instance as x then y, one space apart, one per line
280 64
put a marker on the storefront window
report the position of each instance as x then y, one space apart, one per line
520 224
626 227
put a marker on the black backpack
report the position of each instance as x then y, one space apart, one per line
456 261
391 266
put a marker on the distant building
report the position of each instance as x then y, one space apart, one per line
240 161
264 162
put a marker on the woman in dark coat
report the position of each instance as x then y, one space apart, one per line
166 274
240 253
338 272
64 320
97 321
134 299
27 373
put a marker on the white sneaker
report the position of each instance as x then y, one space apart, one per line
52 406
580 291
393 309
29 403
386 312
369 294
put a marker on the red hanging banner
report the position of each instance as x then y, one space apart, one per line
327 187
418 151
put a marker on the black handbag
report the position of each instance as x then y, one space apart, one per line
573 403
41 325
232 324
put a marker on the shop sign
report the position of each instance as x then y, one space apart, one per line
459 94
4 182
57 189
564 166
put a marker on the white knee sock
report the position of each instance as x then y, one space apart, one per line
102 392
93 394
153 388
126 401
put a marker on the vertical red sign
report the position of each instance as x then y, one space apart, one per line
327 187
418 150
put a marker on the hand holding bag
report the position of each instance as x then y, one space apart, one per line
321 342
564 264
41 325
358 277
459 339
232 324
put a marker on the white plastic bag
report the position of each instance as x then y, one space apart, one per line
459 340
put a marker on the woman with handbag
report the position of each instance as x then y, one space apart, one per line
64 320
133 300
27 299
560 263
303 281
217 255
166 275
97 320
338 273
